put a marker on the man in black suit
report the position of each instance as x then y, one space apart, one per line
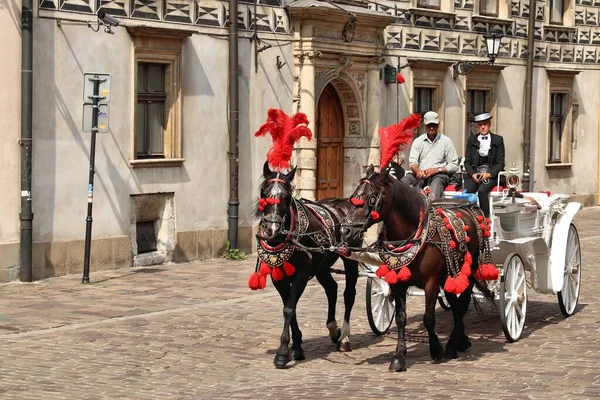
484 160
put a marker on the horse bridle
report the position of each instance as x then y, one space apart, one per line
373 203
276 219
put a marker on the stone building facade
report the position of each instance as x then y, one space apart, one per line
326 59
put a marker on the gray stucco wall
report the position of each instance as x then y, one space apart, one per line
200 185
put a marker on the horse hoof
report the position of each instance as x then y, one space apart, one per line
335 336
281 361
344 347
397 365
450 353
437 353
464 344
298 355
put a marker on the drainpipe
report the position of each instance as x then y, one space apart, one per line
26 214
234 124
527 173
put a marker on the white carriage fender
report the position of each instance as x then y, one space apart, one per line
558 248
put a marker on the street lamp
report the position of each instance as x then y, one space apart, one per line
492 43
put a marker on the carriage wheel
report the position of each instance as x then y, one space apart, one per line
513 297
380 305
442 301
569 295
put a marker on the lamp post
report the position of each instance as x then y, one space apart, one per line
492 43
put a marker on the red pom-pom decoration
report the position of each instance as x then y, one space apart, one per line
404 274
289 268
399 78
486 272
357 202
467 239
439 210
264 269
479 218
382 271
254 281
374 215
450 286
458 214
466 228
391 277
453 244
277 274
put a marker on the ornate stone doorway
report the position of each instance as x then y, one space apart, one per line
330 145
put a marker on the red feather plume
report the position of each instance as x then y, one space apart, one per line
396 137
285 132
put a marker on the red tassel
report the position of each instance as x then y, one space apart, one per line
263 282
479 218
277 274
399 78
262 202
254 281
449 227
450 286
439 210
391 277
465 269
382 271
458 214
357 202
453 244
482 226
467 239
404 274
487 220
487 234
273 200
446 221
374 215
466 228
462 283
468 258
486 272
289 268
264 269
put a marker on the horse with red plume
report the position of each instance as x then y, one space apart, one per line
422 243
292 236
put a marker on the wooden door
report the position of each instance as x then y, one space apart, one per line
330 145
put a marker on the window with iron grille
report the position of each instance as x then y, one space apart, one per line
477 103
150 110
557 11
488 7
435 4
423 103
556 128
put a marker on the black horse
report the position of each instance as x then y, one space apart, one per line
426 236
303 233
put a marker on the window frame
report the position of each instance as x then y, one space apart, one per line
151 97
561 82
483 9
551 4
420 4
470 120
433 100
160 46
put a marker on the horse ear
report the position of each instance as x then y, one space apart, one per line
290 175
370 170
266 170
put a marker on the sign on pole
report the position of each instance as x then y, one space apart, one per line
88 87
103 113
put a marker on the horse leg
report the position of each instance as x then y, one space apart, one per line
458 340
351 269
431 295
290 298
330 285
398 363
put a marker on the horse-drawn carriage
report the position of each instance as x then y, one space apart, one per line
445 244
533 245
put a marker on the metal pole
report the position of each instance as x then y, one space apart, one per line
88 225
234 201
26 141
528 97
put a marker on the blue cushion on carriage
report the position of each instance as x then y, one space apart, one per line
472 197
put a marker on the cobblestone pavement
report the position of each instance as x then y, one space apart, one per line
196 331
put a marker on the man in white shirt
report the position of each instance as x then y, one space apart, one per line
432 158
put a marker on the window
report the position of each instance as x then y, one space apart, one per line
477 103
150 111
423 103
157 97
435 4
488 7
557 11
557 119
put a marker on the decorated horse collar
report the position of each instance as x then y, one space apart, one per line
398 254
